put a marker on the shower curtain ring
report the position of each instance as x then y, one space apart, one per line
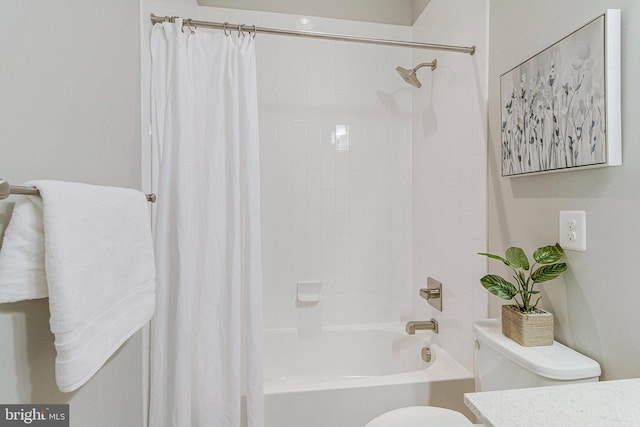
188 22
224 27
240 32
254 31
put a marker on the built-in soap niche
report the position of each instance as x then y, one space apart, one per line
309 292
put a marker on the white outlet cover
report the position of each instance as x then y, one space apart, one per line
573 230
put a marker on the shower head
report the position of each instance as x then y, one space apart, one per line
410 77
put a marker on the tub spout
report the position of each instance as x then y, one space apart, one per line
431 325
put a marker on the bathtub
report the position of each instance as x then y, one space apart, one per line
346 376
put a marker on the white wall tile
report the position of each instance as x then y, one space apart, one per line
338 214
449 182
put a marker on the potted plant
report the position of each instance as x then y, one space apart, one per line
523 322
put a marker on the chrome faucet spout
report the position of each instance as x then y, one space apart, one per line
412 326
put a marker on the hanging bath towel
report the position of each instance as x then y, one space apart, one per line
22 275
100 271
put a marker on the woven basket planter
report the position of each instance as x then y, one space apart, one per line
527 329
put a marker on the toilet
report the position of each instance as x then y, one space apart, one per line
501 364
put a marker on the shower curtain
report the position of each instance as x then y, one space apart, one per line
206 336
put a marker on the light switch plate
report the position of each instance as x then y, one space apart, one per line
573 230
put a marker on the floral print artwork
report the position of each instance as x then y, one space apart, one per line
553 106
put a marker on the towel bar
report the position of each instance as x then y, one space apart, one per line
7 189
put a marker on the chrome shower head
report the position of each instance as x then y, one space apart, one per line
410 77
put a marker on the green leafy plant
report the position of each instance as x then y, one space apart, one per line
526 276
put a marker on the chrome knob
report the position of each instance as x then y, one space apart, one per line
426 354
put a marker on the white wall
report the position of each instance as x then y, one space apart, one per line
69 110
595 302
449 170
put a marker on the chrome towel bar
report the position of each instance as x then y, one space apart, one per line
7 189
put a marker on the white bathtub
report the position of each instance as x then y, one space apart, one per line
346 376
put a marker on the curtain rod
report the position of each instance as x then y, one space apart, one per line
311 34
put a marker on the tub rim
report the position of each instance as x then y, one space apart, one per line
444 368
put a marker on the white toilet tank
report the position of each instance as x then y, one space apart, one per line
502 364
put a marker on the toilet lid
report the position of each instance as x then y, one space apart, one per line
420 416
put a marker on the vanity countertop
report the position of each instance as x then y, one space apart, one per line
598 404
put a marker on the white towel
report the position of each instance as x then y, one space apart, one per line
100 273
22 274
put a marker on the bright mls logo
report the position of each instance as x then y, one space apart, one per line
34 415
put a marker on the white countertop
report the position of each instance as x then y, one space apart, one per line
598 404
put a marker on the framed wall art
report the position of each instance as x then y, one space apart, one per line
560 109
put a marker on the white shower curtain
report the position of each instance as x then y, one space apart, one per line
206 336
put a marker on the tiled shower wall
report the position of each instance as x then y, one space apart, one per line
449 171
335 135
336 176
368 184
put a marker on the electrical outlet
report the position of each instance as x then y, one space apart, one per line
573 230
